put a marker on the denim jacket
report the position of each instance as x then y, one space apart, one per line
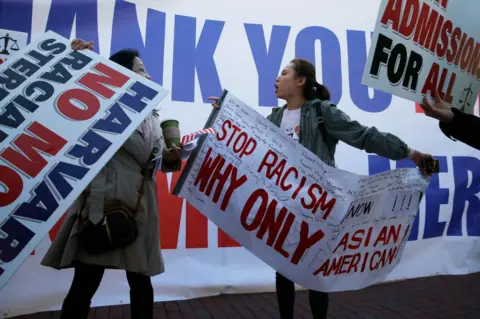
339 127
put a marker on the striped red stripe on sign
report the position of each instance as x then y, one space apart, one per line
190 137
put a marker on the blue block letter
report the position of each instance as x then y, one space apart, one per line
189 56
331 56
267 60
357 57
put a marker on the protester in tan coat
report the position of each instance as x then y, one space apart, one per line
120 179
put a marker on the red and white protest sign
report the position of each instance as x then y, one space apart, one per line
64 115
424 45
324 228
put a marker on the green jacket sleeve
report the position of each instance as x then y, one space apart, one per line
339 125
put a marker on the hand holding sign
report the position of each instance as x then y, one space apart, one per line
438 110
215 101
78 44
172 156
425 162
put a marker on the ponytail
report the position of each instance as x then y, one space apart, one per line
312 90
322 93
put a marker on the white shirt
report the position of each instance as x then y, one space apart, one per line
291 123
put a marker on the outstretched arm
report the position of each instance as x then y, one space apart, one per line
339 125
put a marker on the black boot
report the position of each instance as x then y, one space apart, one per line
74 309
141 304
318 304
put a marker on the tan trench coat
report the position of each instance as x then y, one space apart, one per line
119 179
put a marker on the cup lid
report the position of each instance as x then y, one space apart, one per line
166 120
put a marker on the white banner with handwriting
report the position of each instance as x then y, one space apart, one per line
324 228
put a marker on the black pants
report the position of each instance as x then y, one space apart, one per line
85 283
286 299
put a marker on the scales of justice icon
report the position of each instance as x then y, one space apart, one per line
6 40
466 98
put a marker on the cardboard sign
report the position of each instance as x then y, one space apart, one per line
420 46
64 115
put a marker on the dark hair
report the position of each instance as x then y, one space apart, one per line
312 89
125 57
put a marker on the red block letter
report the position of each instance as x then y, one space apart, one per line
90 103
31 162
11 181
392 14
225 241
170 215
95 82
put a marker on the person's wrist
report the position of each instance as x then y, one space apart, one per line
173 164
448 116
414 155
410 153
170 160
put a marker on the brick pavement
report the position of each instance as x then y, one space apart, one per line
443 297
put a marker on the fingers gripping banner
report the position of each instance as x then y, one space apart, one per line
322 227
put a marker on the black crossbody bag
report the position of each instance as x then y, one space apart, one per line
117 229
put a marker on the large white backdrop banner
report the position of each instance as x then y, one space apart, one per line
195 52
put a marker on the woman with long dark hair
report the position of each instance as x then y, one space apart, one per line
125 179
310 118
